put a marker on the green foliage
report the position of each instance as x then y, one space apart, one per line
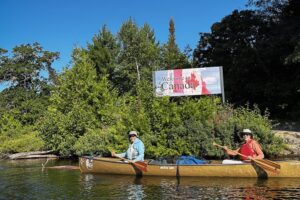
26 141
99 142
26 64
108 92
15 137
103 52
244 117
138 56
26 105
87 115
172 58
80 102
9 127
259 52
60 131
28 91
26 98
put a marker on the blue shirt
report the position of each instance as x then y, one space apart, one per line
135 151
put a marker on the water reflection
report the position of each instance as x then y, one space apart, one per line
199 188
25 180
135 190
88 182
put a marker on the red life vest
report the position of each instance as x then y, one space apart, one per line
247 150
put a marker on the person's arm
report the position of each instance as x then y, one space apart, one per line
122 155
257 149
231 152
141 152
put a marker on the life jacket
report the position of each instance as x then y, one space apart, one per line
132 151
247 150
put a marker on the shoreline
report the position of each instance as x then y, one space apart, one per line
291 138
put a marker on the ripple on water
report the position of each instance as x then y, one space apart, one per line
27 181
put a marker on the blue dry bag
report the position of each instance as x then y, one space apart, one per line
189 160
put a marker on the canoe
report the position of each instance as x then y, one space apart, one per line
104 165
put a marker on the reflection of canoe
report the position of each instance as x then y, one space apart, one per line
115 166
195 181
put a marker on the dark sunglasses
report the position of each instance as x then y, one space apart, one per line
131 136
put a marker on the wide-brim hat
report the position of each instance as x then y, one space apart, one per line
247 132
133 133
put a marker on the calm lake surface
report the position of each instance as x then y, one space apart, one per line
26 180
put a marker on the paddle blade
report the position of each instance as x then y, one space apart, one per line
266 167
269 162
141 166
141 163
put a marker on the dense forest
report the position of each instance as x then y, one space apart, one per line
260 54
107 91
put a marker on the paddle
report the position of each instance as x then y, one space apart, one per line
139 164
263 163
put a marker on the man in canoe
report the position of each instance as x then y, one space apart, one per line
251 148
136 149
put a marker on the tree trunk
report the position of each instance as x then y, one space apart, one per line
32 154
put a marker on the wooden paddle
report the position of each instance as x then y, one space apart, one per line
139 164
263 163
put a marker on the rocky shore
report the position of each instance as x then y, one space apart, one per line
292 139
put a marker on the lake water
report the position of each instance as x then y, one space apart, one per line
26 180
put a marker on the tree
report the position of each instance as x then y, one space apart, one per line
138 57
25 100
103 53
28 90
232 45
89 113
172 58
259 57
24 68
82 105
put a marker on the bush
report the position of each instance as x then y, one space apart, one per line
16 137
23 143
230 122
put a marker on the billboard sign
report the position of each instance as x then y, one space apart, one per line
186 82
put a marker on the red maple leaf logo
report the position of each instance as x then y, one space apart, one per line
192 81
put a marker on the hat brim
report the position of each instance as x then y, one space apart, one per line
246 133
132 135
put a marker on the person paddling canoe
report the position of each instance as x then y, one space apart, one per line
251 148
135 151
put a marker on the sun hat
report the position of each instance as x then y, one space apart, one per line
133 133
246 131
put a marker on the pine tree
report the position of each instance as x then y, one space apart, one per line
171 55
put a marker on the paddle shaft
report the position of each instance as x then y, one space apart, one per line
223 147
121 158
269 165
235 152
140 165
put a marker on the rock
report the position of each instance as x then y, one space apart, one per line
292 139
3 156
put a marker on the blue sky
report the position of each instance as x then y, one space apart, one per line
61 25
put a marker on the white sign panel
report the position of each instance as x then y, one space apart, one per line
186 82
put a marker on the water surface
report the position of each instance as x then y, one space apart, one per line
26 180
